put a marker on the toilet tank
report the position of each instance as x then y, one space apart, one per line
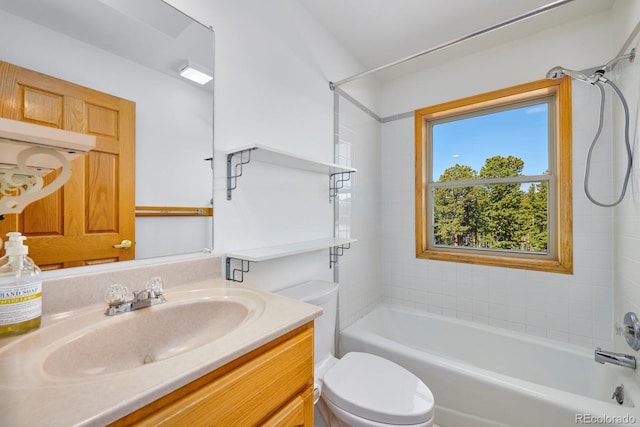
325 295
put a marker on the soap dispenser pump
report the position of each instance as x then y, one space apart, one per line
20 289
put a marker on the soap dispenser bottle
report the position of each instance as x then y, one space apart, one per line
20 289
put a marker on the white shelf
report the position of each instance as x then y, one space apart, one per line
28 152
15 136
238 263
279 251
282 158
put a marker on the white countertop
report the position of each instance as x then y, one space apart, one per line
29 396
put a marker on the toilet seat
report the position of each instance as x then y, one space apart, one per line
377 389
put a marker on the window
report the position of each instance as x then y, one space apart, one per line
493 178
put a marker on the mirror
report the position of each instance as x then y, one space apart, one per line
134 50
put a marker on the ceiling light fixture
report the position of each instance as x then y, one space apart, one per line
196 73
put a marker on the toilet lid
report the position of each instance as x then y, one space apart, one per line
377 389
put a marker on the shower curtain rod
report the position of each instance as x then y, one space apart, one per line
485 30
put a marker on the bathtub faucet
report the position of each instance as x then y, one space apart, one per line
624 360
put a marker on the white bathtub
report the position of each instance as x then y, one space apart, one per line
483 376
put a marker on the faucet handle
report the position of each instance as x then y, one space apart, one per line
632 334
156 285
116 294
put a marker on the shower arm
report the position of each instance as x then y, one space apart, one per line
609 66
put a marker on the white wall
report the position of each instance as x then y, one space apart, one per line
274 63
273 67
626 235
571 308
173 128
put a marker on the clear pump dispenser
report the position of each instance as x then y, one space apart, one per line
20 289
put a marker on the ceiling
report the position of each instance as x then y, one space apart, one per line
377 32
165 37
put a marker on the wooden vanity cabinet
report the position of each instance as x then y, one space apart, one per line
271 386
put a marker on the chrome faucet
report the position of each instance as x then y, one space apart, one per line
624 360
116 295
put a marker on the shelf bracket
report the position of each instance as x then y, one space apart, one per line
231 274
234 172
337 181
337 251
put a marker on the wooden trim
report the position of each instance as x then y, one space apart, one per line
564 161
173 211
547 265
563 261
421 184
509 95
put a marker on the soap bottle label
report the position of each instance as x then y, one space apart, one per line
20 303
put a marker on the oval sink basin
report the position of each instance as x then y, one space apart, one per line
86 344
145 336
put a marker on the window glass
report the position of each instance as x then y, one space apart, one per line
508 143
520 132
508 217
493 178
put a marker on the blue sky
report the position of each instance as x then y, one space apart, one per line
521 132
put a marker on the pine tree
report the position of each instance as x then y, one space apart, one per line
503 221
499 216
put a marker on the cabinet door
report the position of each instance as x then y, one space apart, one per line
299 412
264 389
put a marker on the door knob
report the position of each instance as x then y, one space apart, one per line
125 244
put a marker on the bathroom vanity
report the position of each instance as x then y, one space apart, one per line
272 386
214 353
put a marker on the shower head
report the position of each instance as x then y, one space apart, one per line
598 72
559 72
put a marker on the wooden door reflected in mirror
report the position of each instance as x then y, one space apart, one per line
80 223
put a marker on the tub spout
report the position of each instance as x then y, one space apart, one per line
624 360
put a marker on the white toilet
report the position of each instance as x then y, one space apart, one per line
359 390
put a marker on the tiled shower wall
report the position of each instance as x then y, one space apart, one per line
570 308
626 235
574 308
358 146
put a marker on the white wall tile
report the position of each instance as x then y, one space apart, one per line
558 335
480 308
626 279
531 302
517 326
557 322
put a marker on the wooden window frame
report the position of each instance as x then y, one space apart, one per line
561 207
